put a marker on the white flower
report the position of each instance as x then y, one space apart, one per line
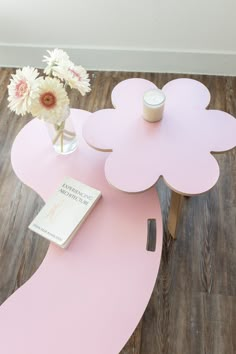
60 66
23 88
77 78
51 102
61 71
57 57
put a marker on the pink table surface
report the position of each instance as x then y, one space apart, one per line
89 298
178 148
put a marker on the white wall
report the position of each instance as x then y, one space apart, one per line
147 35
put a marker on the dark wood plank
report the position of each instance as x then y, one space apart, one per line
193 306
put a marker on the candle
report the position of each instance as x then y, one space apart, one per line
153 105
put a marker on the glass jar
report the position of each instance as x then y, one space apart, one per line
63 135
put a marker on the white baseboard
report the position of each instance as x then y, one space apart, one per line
121 59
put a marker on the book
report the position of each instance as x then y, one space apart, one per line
65 211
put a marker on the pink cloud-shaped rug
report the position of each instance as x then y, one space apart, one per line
178 147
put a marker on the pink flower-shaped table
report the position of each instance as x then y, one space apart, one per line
89 298
178 148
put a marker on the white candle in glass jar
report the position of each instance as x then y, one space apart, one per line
153 105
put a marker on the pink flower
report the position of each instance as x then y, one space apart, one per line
178 148
23 89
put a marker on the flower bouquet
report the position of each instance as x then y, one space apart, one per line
46 97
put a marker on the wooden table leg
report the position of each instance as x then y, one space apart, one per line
175 208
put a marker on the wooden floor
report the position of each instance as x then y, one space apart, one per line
193 306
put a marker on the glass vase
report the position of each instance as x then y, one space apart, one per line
63 135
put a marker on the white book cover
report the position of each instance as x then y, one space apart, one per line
65 211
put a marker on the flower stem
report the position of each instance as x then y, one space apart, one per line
62 134
62 141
